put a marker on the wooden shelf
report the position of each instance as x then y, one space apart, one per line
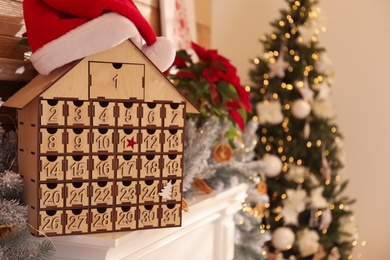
16 70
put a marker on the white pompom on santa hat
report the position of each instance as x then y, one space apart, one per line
61 31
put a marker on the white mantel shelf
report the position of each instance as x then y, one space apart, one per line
207 233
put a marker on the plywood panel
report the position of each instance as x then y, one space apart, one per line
204 35
10 48
11 18
203 22
150 9
203 12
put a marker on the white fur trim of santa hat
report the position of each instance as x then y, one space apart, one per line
99 34
162 53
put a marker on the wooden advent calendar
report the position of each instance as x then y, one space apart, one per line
101 144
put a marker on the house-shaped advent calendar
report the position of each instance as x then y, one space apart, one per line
101 144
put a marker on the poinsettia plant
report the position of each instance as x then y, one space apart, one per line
211 83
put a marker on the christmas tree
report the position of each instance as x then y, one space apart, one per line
308 215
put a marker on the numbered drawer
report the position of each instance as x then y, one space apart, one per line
51 222
127 192
170 215
102 219
51 195
150 166
128 114
51 168
127 166
128 140
52 112
78 113
126 218
77 167
76 221
103 113
174 115
151 114
171 190
103 140
151 140
77 194
52 140
149 191
148 216
103 166
173 165
102 193
173 140
77 140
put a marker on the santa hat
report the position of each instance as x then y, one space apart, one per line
61 31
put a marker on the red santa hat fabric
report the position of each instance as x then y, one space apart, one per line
61 31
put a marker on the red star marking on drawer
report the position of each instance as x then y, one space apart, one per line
131 142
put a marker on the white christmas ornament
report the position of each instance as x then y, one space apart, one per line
306 32
324 64
294 204
296 173
348 225
308 242
306 130
311 27
290 215
278 67
306 92
300 109
296 199
316 198
326 218
283 238
324 91
326 169
272 164
334 254
269 112
323 109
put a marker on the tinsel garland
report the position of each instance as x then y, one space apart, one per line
243 167
16 242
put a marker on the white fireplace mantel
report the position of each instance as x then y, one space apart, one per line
207 233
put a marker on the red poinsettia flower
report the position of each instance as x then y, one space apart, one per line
212 80
186 74
237 118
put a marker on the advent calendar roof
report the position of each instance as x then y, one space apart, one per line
72 80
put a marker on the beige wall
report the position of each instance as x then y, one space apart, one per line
357 41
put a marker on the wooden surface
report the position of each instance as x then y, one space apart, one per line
150 9
203 22
11 18
11 48
16 70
